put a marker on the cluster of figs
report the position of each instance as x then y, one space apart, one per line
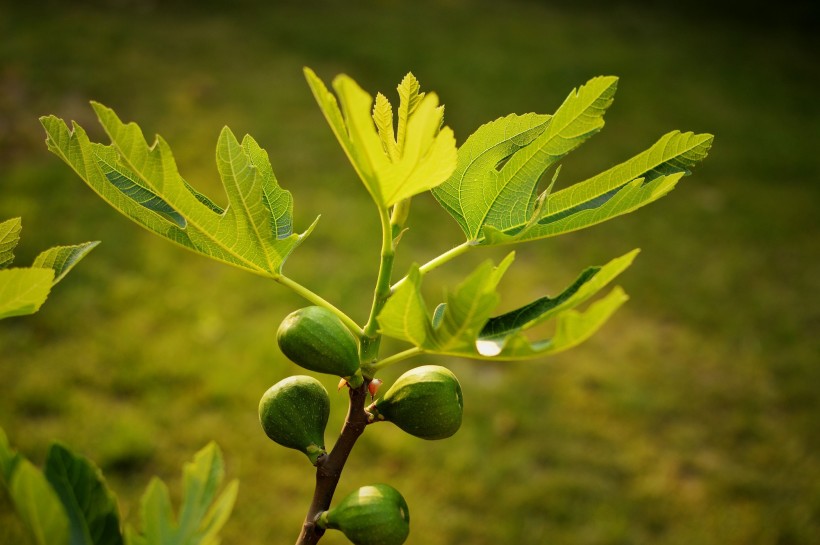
425 402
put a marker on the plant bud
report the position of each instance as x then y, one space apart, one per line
294 413
373 386
372 515
316 339
425 402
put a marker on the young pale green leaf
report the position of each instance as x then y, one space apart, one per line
63 258
409 97
9 237
589 282
392 168
626 187
383 118
404 316
468 308
203 513
495 182
91 507
36 503
572 328
23 291
462 326
254 232
456 323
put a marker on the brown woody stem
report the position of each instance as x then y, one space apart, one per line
329 469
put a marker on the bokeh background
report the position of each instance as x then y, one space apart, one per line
692 417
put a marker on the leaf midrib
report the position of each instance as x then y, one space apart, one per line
493 172
619 187
241 196
200 228
546 143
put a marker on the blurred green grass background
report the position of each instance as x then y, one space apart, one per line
691 418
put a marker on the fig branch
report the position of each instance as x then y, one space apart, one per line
329 468
382 291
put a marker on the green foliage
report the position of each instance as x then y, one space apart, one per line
392 166
69 503
611 432
463 326
24 290
254 232
203 511
492 193
489 186
91 507
36 502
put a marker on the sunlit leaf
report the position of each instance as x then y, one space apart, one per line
393 166
463 326
254 232
572 328
626 187
495 182
63 258
23 291
8 459
589 282
493 192
9 237
404 316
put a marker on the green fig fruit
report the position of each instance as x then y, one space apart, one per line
294 412
425 402
316 339
372 515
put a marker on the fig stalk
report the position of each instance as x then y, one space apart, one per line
329 469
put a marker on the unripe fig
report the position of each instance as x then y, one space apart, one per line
294 412
316 339
372 515
425 402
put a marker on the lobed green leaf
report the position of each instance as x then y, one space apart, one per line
589 282
492 193
495 182
462 326
254 232
572 328
393 167
619 190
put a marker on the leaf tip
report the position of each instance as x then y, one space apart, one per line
101 109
